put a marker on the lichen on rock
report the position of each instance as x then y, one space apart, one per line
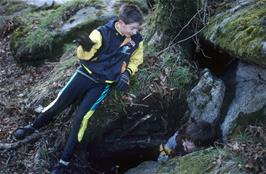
240 31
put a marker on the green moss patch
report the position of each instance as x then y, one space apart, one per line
40 30
196 163
11 7
240 32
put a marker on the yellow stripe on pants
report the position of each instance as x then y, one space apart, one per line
84 125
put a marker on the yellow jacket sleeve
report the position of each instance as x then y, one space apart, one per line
96 37
136 59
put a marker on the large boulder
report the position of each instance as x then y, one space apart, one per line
206 98
240 31
143 5
43 33
200 162
3 25
249 102
44 3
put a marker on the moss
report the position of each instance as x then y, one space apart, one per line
173 15
40 30
11 7
43 34
200 162
196 163
181 77
211 160
171 65
141 4
240 33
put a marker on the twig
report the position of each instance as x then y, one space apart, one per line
136 104
147 96
136 124
183 40
170 43
205 12
7 146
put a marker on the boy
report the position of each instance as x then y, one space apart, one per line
193 135
110 55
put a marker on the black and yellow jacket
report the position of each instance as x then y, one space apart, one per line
112 53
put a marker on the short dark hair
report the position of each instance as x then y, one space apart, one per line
130 13
202 133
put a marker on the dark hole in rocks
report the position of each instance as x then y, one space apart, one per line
215 59
132 139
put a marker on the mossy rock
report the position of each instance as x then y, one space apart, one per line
199 162
14 7
43 34
240 31
140 3
171 16
3 23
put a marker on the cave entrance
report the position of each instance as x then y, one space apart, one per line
135 137
215 59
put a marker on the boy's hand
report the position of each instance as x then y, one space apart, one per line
84 40
123 81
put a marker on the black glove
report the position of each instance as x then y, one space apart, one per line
84 40
123 81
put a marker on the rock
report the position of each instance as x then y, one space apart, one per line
206 98
147 167
263 47
47 40
156 38
239 31
249 102
1 11
3 22
85 16
194 163
46 3
143 5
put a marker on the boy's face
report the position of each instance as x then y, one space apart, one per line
188 145
129 29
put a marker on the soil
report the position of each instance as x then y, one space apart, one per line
15 81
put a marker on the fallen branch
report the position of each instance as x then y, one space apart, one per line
7 146
136 124
137 104
147 96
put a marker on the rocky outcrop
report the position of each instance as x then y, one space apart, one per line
206 98
3 25
147 167
240 31
44 3
249 102
55 29
200 162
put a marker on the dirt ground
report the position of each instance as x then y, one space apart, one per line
15 82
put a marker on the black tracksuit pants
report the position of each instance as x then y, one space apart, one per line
78 85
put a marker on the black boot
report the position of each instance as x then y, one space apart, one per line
60 168
23 132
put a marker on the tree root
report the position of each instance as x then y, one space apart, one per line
8 146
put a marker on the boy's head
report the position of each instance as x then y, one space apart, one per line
197 134
130 19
